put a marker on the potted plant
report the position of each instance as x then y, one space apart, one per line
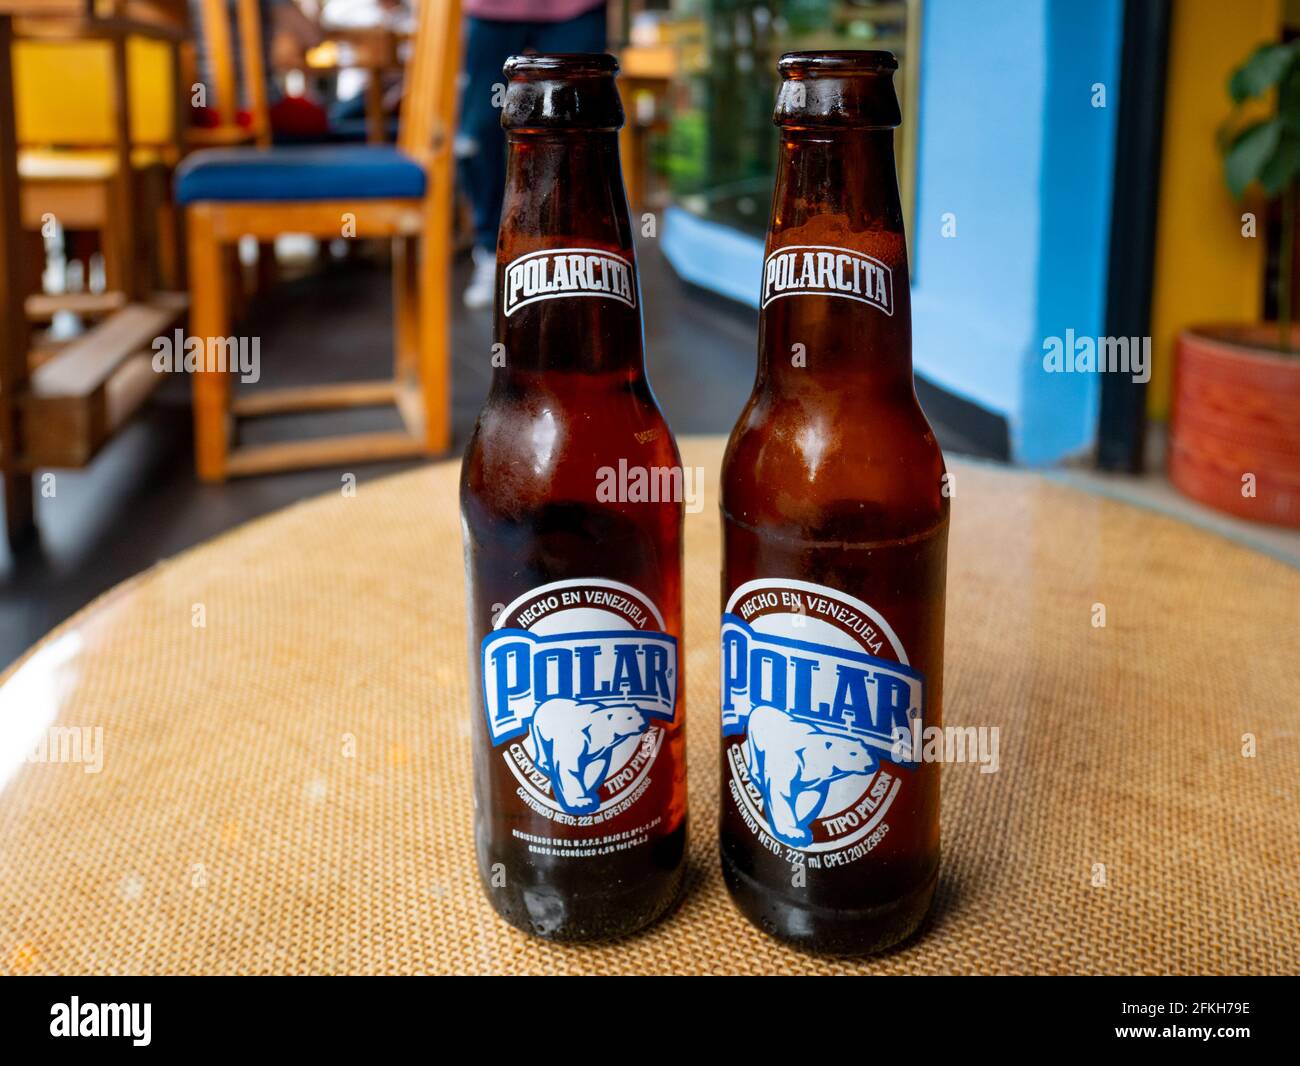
1235 428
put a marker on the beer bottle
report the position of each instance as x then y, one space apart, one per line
573 540
835 517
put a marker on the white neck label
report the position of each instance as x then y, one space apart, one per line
823 270
560 272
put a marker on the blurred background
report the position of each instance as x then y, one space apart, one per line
1100 197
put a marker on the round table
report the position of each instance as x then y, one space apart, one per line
257 755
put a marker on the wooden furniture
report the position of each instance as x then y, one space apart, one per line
374 49
14 332
331 192
221 39
70 103
61 412
643 69
100 127
313 744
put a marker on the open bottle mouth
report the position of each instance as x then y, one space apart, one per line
561 91
561 65
836 64
837 90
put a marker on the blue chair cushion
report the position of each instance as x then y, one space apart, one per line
305 172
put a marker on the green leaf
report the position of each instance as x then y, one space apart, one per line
1266 67
1249 153
1283 166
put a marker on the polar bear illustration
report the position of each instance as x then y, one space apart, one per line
573 742
793 763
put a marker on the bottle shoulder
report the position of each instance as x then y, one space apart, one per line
530 449
867 469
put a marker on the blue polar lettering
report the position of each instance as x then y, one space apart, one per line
522 670
834 688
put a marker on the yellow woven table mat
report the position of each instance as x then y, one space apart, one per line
286 788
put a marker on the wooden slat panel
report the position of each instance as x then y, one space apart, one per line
315 398
77 205
81 396
428 99
82 368
41 306
51 8
328 451
69 28
67 432
127 390
248 24
322 218
215 29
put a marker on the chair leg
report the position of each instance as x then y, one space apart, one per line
209 320
434 289
118 246
170 272
267 270
20 513
32 244
237 290
406 310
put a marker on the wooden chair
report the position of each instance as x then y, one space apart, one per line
100 127
403 193
60 413
223 93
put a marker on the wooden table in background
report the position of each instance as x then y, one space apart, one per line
376 50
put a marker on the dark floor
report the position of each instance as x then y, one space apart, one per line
139 502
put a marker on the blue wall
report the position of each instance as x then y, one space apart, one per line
1011 144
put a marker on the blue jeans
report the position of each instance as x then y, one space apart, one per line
488 44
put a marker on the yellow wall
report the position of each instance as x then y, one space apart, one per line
1205 270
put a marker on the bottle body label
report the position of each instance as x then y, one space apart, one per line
579 690
819 705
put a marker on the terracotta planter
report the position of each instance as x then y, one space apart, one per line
1236 411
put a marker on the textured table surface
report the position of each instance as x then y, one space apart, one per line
286 787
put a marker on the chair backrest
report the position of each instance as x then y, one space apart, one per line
67 65
63 92
428 116
219 47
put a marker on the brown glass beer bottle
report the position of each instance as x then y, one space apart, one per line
835 516
572 517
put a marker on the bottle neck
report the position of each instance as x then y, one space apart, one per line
836 307
568 295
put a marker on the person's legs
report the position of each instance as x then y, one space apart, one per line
481 145
480 142
586 33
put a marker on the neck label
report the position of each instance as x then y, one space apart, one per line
824 270
560 272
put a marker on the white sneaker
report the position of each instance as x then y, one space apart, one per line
483 282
